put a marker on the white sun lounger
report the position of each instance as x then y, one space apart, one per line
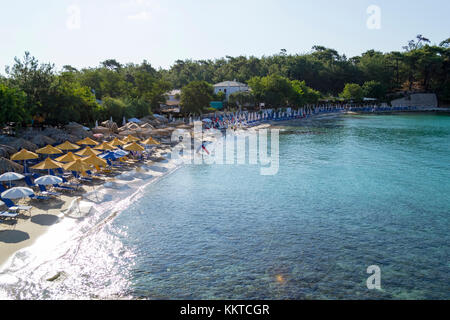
8 215
17 208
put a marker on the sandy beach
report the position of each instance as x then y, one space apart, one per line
23 232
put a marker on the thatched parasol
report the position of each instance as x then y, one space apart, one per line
24 155
41 140
147 126
103 130
6 151
23 144
68 146
88 152
105 147
150 142
112 126
95 161
49 150
69 157
87 142
62 137
7 165
166 132
134 147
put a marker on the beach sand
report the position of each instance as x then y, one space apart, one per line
24 231
17 234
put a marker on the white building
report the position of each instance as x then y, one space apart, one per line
230 87
174 95
172 102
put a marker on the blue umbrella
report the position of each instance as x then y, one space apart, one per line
109 156
121 153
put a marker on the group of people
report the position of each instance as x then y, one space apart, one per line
242 119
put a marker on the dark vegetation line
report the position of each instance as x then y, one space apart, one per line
33 91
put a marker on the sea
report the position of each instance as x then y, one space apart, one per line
353 194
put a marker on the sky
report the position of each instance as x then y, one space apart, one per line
82 33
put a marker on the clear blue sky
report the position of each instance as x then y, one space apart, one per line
163 31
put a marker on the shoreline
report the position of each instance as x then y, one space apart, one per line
30 228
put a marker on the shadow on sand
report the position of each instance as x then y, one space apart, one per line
13 236
45 219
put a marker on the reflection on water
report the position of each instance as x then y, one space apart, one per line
351 192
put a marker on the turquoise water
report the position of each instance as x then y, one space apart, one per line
351 192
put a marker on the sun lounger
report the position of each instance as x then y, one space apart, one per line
29 182
13 208
9 215
40 197
85 179
63 188
48 193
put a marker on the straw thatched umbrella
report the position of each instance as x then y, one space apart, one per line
105 147
69 157
87 152
6 151
49 150
150 141
24 155
131 139
66 146
77 166
87 142
95 161
111 125
7 165
134 147
166 132
23 144
47 164
102 130
41 140
117 142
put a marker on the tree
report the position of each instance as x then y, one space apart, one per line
12 105
196 97
241 99
374 89
36 80
114 108
352 91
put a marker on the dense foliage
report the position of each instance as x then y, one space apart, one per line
34 90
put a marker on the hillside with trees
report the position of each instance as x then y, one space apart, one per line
33 90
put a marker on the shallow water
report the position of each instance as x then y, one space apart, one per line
351 192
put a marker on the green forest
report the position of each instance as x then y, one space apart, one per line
31 90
